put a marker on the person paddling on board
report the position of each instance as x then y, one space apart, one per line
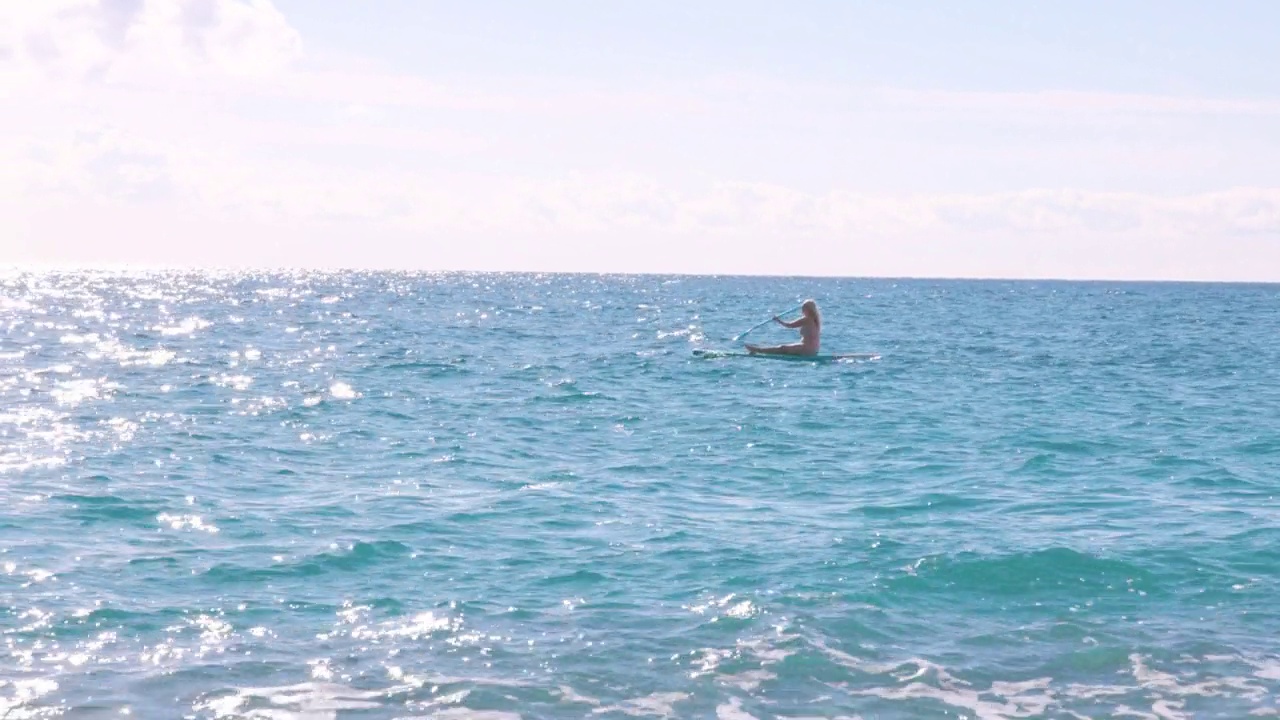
810 325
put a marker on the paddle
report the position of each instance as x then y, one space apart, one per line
741 335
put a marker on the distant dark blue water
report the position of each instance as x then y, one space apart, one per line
516 496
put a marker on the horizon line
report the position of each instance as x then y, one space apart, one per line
126 268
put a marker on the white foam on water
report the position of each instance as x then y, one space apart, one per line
1267 669
706 660
123 428
407 682
465 714
1155 694
661 704
833 717
569 695
766 649
74 392
343 391
418 627
749 680
1171 685
187 522
303 701
23 696
235 382
743 609
1023 705
187 327
111 348
732 710
263 405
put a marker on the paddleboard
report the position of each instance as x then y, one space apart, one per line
834 357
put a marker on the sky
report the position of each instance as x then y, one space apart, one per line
1021 139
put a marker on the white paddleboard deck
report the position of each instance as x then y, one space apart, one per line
821 357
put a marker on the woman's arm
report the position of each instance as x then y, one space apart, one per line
793 324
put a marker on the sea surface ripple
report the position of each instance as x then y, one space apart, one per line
395 495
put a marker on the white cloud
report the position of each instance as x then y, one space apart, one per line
188 132
130 41
170 199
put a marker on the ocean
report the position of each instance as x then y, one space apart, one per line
500 496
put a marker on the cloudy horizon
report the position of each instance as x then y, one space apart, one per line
1135 141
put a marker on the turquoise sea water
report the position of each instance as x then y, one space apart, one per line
519 496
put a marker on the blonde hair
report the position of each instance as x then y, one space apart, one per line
811 306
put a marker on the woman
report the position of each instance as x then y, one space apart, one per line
810 325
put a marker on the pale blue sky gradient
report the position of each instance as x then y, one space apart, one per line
1014 139
1169 47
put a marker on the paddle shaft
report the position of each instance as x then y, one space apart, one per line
739 336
